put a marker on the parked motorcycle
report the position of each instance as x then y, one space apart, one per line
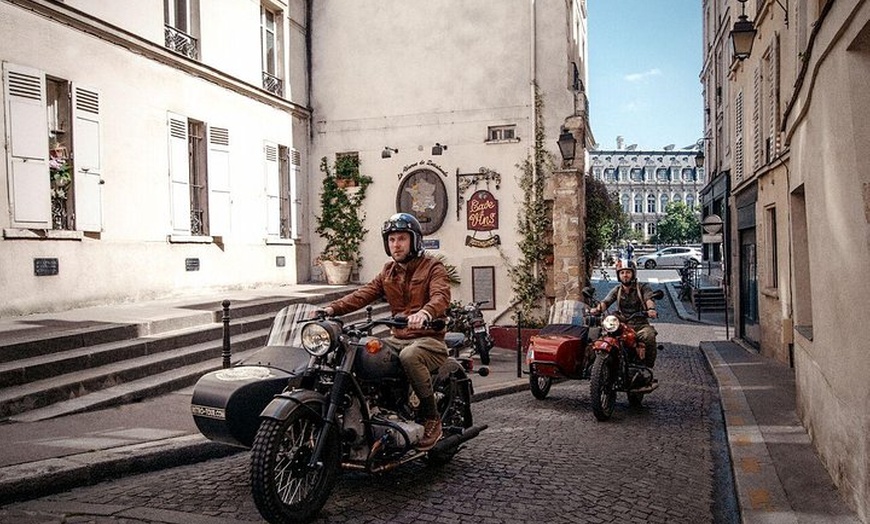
589 347
349 406
468 334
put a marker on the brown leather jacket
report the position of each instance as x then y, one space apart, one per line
421 284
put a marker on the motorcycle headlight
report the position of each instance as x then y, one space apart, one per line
610 323
318 338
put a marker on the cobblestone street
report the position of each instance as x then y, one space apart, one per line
539 461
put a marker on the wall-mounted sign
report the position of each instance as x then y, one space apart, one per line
431 243
482 211
483 286
45 267
422 193
191 264
482 216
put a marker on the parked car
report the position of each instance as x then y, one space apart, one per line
673 257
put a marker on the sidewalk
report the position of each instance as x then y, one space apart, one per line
778 477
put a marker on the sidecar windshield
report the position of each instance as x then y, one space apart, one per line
568 312
287 326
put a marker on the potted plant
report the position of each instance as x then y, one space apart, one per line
341 222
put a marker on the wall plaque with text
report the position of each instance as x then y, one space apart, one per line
483 285
45 267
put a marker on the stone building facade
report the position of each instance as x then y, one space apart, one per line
786 124
157 150
646 181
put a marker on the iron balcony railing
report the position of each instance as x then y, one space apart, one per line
181 42
273 84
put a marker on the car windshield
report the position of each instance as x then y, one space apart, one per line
568 312
287 326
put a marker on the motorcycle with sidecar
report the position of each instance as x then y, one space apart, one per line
324 395
577 345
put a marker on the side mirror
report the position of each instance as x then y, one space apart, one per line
658 294
589 292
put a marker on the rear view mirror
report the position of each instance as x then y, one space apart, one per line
658 294
588 292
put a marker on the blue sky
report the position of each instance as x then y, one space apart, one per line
644 66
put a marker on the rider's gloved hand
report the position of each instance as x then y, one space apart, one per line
416 320
325 312
651 313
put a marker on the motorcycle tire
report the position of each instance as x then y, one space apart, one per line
539 385
283 487
601 389
483 345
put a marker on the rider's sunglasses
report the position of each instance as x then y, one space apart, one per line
397 224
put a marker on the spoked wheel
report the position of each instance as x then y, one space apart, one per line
284 487
650 264
601 388
540 385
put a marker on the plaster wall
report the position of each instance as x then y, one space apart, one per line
831 131
132 258
441 71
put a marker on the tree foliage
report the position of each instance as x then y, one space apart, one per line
680 225
605 221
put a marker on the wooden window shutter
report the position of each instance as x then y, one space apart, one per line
273 189
27 139
87 154
179 174
219 199
295 195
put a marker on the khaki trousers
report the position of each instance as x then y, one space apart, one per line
419 357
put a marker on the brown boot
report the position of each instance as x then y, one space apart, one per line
431 434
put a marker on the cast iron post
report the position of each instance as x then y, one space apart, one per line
225 351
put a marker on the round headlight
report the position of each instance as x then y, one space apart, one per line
610 323
316 339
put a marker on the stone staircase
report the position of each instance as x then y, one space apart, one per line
97 366
708 299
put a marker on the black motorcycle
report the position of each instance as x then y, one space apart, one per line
350 406
467 332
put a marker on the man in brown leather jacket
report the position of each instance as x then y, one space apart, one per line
416 286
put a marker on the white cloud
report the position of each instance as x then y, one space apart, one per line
637 77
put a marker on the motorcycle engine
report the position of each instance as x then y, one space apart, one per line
397 433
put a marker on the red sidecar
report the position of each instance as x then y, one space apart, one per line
562 350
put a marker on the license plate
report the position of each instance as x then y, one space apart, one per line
479 329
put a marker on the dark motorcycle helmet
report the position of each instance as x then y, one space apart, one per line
404 222
629 266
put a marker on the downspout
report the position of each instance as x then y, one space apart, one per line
533 67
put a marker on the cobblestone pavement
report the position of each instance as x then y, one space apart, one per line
539 461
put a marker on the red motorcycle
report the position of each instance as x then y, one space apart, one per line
583 346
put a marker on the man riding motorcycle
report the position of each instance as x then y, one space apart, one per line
417 286
632 297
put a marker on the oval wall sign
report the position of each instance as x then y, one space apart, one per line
422 193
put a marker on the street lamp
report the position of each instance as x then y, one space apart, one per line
388 152
699 157
743 34
567 143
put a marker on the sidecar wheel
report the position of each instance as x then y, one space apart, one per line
601 388
540 385
284 488
635 399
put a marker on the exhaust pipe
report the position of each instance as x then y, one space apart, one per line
647 389
453 441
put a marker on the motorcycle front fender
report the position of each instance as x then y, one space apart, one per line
282 405
604 345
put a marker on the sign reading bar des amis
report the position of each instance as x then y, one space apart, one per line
482 215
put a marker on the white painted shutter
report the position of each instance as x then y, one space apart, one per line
179 174
295 195
273 189
86 159
219 181
27 144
